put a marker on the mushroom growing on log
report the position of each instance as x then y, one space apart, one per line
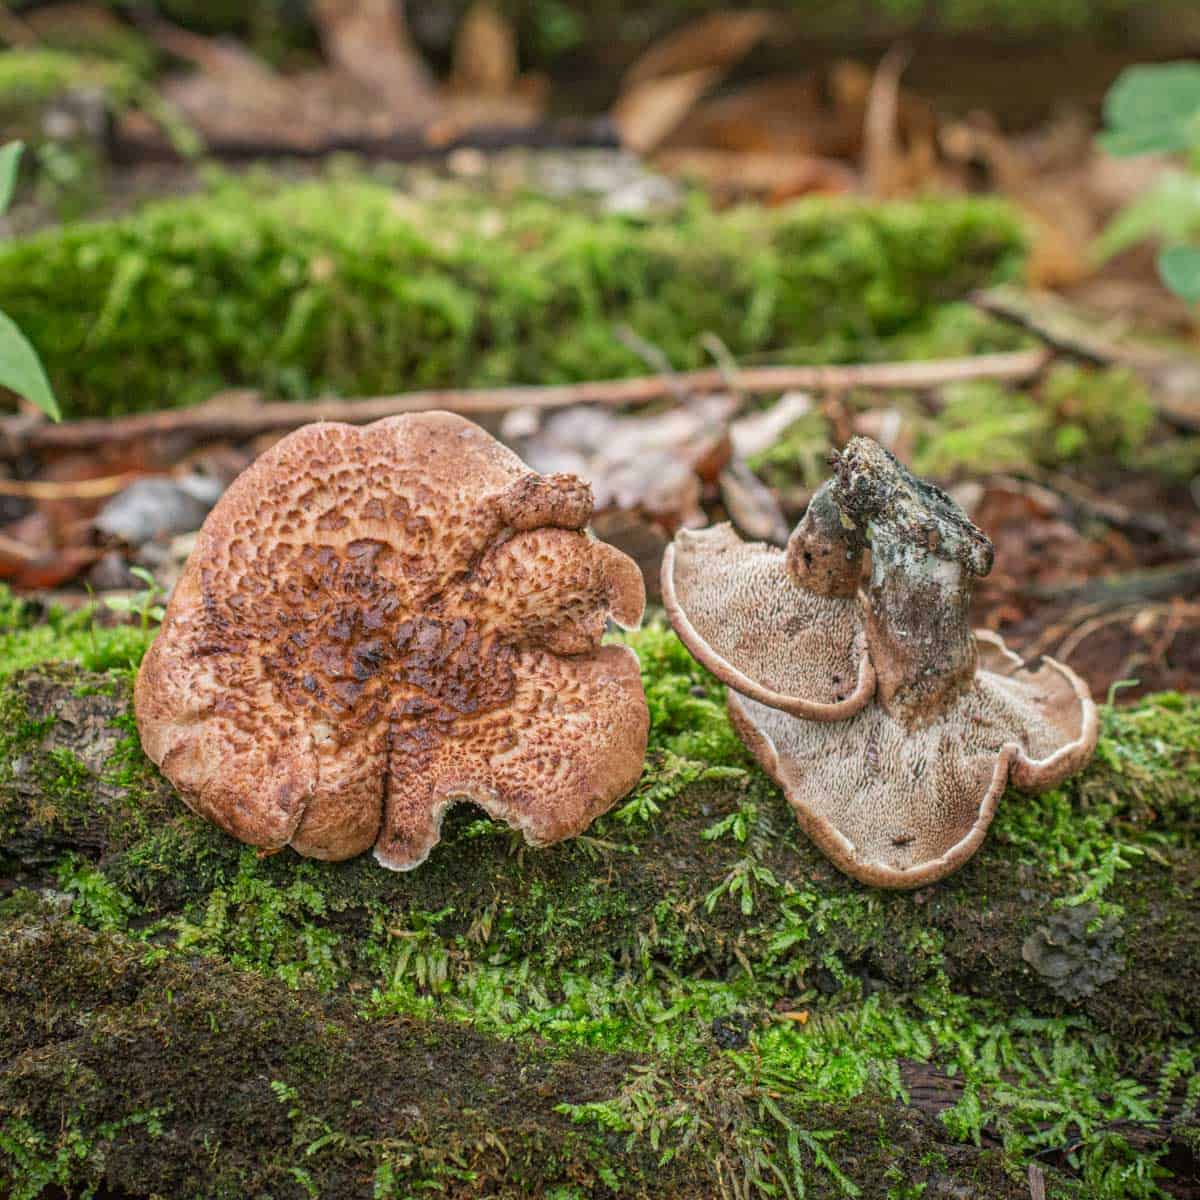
378 622
900 790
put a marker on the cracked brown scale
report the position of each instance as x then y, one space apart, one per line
377 623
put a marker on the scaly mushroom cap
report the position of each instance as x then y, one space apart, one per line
378 622
738 609
899 806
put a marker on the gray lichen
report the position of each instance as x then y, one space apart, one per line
1076 952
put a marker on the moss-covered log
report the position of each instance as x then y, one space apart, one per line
663 890
735 1001
188 1078
350 288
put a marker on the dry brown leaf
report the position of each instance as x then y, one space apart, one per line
1059 249
485 52
881 167
751 505
646 113
368 40
654 464
719 40
1062 219
759 431
785 114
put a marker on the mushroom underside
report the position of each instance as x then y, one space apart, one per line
900 806
739 613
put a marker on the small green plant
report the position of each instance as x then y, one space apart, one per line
145 603
21 369
1156 110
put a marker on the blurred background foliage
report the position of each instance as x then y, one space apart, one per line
548 29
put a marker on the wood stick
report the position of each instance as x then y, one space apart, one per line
417 144
19 434
69 489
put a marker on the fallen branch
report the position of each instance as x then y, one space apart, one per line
1090 504
19 434
1173 376
131 147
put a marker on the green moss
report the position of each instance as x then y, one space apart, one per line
131 55
1076 415
345 287
31 79
696 901
30 635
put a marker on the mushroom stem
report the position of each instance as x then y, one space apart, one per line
825 551
925 556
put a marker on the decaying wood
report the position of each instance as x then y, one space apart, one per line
1133 587
131 145
19 434
983 915
1173 376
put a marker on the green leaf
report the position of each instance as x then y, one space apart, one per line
10 160
1179 267
1169 211
1153 109
21 370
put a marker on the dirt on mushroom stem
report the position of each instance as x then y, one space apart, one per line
925 554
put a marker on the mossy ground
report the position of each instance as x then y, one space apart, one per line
686 1001
346 286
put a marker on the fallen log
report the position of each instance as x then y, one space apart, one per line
77 782
207 1020
188 1078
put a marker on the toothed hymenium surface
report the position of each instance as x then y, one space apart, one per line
376 623
898 779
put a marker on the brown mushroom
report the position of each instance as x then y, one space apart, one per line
902 793
377 623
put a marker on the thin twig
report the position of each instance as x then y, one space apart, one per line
18 434
70 489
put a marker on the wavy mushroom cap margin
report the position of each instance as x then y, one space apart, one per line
379 622
899 790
